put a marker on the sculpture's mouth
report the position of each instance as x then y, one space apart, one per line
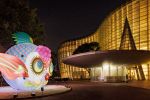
37 83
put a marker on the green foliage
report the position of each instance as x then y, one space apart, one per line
93 46
16 16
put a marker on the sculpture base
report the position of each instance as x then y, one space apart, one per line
8 93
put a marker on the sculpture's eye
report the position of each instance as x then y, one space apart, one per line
37 66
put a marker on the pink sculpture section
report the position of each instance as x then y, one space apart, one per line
45 54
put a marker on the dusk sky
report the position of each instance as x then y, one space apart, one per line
64 20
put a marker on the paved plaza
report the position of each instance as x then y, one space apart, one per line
86 90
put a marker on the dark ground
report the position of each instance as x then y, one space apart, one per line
100 91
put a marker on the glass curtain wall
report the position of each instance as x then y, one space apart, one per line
138 14
66 49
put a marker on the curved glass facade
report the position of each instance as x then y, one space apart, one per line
138 14
109 33
66 49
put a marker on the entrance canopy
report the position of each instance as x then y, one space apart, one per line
88 59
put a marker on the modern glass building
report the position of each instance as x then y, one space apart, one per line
136 14
66 49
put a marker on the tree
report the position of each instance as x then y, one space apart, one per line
93 46
17 16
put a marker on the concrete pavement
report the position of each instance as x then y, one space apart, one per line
85 90
139 84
